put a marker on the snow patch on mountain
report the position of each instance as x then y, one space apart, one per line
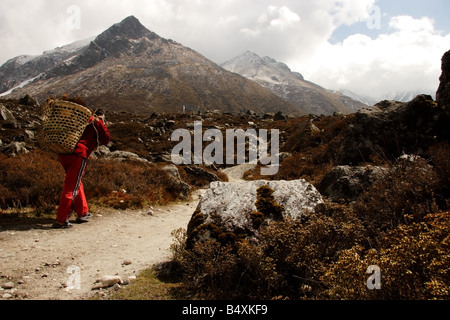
23 84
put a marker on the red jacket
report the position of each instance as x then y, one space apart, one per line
95 133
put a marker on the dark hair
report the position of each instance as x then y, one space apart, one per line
99 112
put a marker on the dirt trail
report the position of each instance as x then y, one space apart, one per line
36 258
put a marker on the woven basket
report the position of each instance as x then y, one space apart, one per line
63 125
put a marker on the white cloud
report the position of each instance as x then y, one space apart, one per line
285 19
292 31
277 19
406 57
409 24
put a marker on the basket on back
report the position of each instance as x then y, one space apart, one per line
63 125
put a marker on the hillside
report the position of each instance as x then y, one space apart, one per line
129 68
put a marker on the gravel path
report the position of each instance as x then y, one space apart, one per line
35 259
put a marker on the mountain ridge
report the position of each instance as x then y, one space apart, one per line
129 68
291 86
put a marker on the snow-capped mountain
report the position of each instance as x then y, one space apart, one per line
129 68
291 86
405 96
20 71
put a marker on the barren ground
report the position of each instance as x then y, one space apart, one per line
36 258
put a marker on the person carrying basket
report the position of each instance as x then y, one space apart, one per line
73 198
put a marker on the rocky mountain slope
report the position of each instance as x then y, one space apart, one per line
129 68
291 86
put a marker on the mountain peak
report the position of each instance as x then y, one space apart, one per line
131 23
130 28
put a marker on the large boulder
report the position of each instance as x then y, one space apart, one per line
391 128
443 93
230 211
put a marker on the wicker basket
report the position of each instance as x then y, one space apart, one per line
63 125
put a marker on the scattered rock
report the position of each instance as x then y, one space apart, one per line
14 148
8 117
109 281
123 156
175 179
8 285
346 184
126 262
201 173
28 101
279 116
7 296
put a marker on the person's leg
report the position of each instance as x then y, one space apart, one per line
80 203
74 167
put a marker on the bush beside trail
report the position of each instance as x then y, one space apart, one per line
35 180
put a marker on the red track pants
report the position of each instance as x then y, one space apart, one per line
72 197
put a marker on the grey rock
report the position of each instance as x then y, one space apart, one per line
8 285
346 184
14 148
391 128
201 173
175 179
8 117
109 281
123 156
229 205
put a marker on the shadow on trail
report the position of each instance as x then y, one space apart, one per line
20 222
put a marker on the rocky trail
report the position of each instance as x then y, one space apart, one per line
35 259
40 263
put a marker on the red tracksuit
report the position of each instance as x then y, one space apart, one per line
72 197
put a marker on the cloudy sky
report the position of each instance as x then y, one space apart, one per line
371 47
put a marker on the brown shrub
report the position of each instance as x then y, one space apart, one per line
267 205
440 157
405 194
208 270
36 179
413 262
128 184
324 256
303 166
30 180
284 259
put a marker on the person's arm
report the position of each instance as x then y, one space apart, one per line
104 136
